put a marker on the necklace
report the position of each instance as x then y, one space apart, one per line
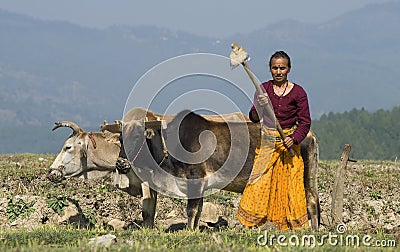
279 92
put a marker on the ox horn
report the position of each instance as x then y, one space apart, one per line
75 128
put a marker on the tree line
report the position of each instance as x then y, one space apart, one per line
372 135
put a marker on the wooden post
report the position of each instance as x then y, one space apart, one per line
338 188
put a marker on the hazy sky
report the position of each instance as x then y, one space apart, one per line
216 18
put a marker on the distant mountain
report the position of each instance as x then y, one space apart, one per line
51 71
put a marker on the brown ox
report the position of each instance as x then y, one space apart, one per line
148 153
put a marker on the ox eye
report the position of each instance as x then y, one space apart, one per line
68 147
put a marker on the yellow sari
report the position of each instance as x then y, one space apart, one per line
275 190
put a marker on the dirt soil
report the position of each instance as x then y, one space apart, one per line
371 199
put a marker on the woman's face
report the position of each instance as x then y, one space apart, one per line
279 70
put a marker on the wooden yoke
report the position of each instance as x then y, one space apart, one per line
116 127
155 124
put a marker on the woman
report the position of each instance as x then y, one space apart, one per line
275 191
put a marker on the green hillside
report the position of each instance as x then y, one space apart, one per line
372 135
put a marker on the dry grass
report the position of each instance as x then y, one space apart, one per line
372 207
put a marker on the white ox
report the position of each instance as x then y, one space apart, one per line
92 155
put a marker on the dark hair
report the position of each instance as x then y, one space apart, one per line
280 54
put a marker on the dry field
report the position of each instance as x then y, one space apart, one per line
36 214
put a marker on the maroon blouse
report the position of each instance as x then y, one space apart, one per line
290 109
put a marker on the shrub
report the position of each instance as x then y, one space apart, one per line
19 208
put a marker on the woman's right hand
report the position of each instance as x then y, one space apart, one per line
262 99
